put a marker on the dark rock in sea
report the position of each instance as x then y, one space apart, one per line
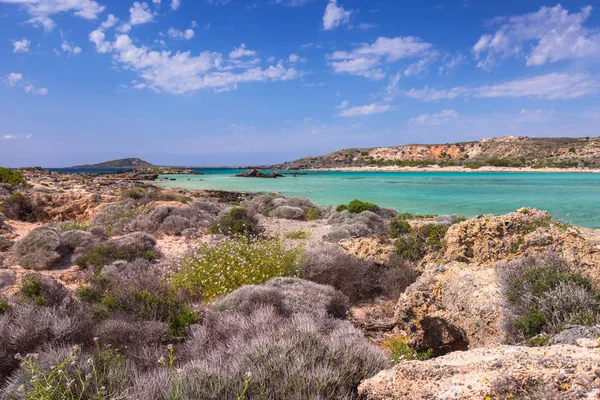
254 173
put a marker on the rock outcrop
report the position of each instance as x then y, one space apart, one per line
255 173
554 372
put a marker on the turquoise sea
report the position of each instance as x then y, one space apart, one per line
567 196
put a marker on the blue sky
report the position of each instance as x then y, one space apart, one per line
232 82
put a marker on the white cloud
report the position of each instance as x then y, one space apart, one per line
242 51
67 48
13 78
180 72
534 116
451 62
124 28
30 88
369 109
182 35
293 3
335 16
420 67
156 2
140 14
110 22
553 86
97 37
14 137
40 11
551 34
435 119
21 46
343 105
365 27
366 59
175 4
295 58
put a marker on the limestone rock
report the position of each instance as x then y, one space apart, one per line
560 372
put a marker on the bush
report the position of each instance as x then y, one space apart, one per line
287 212
11 177
313 213
41 290
426 239
346 225
265 355
297 235
356 206
147 195
287 296
40 249
7 279
128 248
276 205
16 206
5 244
116 218
399 226
218 268
237 221
361 280
543 294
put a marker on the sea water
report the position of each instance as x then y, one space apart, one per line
571 197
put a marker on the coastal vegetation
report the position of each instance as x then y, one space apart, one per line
141 293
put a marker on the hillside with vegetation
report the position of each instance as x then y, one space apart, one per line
506 151
124 163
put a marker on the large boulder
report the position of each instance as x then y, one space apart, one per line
555 372
451 307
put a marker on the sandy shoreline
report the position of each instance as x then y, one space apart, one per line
436 168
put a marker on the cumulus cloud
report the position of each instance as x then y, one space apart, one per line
40 11
140 13
295 58
111 21
21 46
366 60
369 109
343 105
551 34
434 119
553 86
30 88
179 34
175 4
335 16
69 49
181 72
13 78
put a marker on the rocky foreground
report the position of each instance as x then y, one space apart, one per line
491 307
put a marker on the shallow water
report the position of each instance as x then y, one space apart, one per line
570 197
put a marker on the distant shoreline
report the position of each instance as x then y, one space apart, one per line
436 168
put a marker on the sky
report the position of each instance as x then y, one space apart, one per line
240 82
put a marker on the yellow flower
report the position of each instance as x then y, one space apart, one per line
565 387
488 398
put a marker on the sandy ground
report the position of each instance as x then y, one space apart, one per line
435 168
280 227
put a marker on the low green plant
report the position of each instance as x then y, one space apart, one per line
357 206
341 208
312 213
17 206
400 350
537 341
236 222
106 253
31 290
399 226
74 226
420 241
297 235
216 269
4 305
11 177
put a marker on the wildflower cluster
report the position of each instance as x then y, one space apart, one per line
218 268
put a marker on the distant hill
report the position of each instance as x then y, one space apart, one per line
508 151
124 163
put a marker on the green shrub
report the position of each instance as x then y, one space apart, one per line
401 351
537 341
216 269
11 177
399 226
341 208
31 290
297 235
312 213
236 222
4 306
544 294
425 239
74 226
356 206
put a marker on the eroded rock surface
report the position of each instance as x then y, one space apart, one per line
554 372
